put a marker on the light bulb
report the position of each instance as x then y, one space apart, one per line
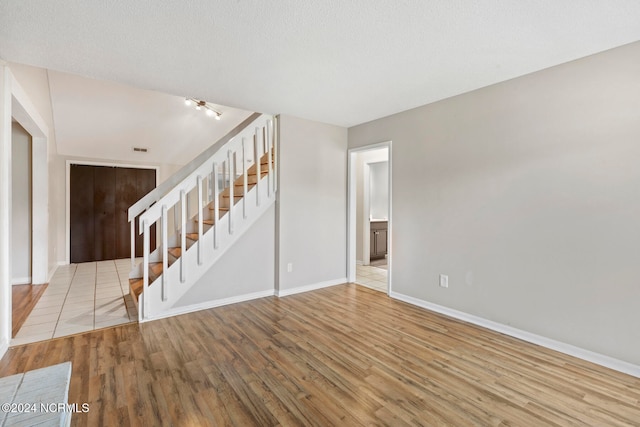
218 116
209 113
188 102
198 107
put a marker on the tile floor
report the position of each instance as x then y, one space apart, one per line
372 277
80 298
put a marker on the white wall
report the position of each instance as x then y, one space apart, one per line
20 205
527 194
246 268
311 207
379 190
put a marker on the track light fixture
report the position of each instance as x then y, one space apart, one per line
203 105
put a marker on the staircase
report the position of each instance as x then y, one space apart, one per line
199 213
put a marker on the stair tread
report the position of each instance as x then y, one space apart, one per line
206 221
155 267
175 252
135 286
251 181
192 236
263 162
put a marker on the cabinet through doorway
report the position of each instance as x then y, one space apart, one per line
378 240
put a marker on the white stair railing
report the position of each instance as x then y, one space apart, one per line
204 199
161 190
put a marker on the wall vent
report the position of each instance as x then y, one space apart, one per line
140 149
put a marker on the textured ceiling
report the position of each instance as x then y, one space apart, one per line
335 61
105 120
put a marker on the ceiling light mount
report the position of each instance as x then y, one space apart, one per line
203 105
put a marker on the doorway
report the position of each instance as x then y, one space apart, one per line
369 216
99 199
21 202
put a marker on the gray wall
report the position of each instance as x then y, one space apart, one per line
527 194
20 205
312 203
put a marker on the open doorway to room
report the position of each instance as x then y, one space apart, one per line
369 250
25 293
21 201
27 199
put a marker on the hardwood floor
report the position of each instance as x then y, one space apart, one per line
344 355
23 299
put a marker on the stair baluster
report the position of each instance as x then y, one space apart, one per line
258 171
231 185
244 178
200 220
269 163
145 266
133 244
165 251
216 205
183 234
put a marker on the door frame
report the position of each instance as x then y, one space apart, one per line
68 192
351 210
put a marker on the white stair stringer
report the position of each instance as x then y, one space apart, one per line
210 255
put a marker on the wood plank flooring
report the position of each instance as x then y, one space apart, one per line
344 355
23 299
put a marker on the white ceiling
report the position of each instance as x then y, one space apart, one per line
105 120
335 61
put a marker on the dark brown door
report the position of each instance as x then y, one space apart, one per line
81 224
131 185
126 188
100 199
104 209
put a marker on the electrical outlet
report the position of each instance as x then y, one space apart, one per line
444 281
289 267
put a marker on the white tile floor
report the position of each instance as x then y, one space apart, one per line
80 298
372 277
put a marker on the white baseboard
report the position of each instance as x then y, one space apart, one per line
21 281
54 269
312 287
176 311
580 353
